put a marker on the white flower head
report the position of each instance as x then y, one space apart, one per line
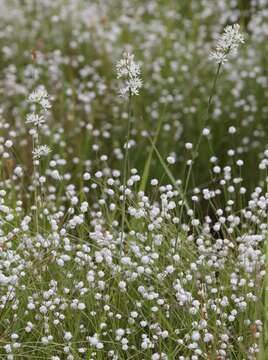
129 70
40 151
227 43
35 119
218 56
40 96
39 116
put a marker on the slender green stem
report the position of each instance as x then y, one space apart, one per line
35 187
147 166
212 93
213 88
195 153
125 167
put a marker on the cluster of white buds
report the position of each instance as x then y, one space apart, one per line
227 43
40 151
40 99
129 70
40 96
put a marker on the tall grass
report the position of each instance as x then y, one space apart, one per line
133 228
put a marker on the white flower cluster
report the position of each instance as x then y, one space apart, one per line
35 119
38 118
129 70
40 96
40 151
227 43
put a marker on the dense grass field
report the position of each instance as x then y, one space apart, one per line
133 179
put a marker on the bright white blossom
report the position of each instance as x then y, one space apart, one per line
227 43
129 70
35 119
40 96
40 151
38 119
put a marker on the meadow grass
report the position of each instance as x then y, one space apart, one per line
133 180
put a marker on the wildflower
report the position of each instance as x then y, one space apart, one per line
40 96
68 336
227 43
129 70
35 119
218 56
40 151
171 160
8 143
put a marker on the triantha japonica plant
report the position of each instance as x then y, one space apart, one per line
133 227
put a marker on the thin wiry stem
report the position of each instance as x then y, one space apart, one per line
125 170
35 185
195 153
